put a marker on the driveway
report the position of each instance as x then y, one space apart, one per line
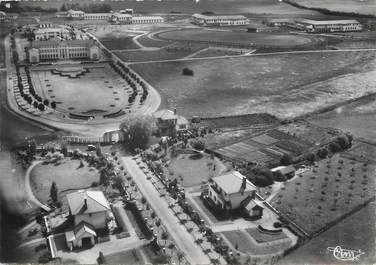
178 232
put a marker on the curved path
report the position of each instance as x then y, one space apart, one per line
28 190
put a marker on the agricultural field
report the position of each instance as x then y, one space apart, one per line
67 174
354 232
338 186
263 83
264 149
243 38
170 52
192 170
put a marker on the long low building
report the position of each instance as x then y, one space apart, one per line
328 25
97 16
120 18
51 32
220 20
63 50
4 17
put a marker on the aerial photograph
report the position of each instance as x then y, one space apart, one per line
188 132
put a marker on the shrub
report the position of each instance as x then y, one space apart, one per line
187 71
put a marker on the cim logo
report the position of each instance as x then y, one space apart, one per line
345 254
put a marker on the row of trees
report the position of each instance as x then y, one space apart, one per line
32 97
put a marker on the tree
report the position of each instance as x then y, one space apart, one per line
286 160
63 8
137 131
41 106
187 71
180 256
53 104
164 236
198 144
54 192
46 102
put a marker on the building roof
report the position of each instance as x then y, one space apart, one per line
2 13
121 15
95 202
98 14
52 29
165 114
71 11
326 22
284 169
231 182
182 121
253 204
218 16
57 42
82 228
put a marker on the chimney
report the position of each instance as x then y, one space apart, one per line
175 111
244 184
85 202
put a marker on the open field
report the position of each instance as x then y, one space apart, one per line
67 175
350 6
337 185
356 117
355 232
192 170
263 83
119 43
170 52
243 38
221 6
97 92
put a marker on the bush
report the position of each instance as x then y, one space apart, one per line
187 71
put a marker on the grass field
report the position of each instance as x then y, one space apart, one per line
173 51
119 43
191 170
244 38
337 185
355 232
266 83
98 92
361 7
67 175
357 118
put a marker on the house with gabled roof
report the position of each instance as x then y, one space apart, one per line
230 190
90 212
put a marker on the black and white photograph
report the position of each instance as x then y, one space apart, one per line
188 132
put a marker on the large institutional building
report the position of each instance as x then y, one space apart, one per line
328 25
223 20
122 17
7 16
63 50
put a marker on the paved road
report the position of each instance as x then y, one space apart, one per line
183 239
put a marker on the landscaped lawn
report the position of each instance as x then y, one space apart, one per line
336 185
241 239
67 175
98 92
263 83
130 257
192 169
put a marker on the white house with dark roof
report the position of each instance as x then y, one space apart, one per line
90 211
231 191
169 123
